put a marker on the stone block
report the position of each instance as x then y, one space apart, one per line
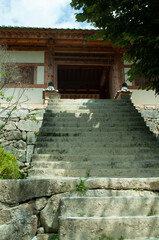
150 114
2 123
4 113
29 125
152 126
13 135
40 203
45 236
21 155
30 149
49 215
31 138
40 230
24 135
10 126
1 139
18 223
7 143
17 191
19 113
21 145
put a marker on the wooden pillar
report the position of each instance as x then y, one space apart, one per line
50 62
117 74
50 70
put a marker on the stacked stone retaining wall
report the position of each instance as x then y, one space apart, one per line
19 132
151 117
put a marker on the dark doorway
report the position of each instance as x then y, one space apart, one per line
83 81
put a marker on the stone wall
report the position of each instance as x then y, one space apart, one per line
19 133
151 117
30 208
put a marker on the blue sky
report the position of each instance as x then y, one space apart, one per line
39 13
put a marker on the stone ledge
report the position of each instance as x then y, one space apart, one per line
19 191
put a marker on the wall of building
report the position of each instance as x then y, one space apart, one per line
28 95
27 56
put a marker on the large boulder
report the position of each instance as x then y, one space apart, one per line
18 223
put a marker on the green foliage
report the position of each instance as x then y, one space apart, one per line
153 213
81 187
130 24
55 238
31 116
8 166
36 133
105 237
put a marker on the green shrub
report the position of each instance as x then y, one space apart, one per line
9 168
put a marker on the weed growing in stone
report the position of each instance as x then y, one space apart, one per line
105 237
55 238
90 215
82 214
81 186
31 116
152 213
36 133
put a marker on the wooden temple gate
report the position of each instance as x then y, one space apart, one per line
77 68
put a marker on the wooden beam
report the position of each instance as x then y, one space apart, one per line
83 63
25 86
83 50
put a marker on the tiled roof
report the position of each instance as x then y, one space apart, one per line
41 28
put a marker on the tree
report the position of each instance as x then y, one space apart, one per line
9 74
132 25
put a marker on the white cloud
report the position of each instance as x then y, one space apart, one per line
38 13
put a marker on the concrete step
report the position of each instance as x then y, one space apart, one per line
133 191
93 124
109 206
102 114
95 119
131 227
96 151
95 164
91 157
95 129
112 133
92 108
101 139
77 143
91 111
100 173
90 101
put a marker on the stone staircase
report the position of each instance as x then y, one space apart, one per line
118 217
99 139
